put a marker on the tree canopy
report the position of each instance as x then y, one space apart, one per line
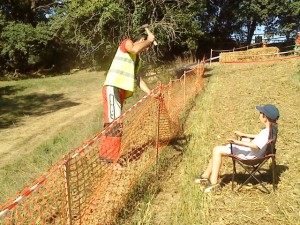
66 33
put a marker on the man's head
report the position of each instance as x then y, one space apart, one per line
270 111
141 38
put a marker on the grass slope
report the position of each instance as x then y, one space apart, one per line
43 119
228 104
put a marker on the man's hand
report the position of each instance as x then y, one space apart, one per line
151 36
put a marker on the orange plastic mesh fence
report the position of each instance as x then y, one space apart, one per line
84 188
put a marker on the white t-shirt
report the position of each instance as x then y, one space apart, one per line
260 141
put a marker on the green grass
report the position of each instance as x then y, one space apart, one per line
35 98
21 172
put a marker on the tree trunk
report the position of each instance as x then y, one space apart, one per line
251 29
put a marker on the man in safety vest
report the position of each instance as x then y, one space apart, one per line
119 85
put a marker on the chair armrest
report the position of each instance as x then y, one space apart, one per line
243 138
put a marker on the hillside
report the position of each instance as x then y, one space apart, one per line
228 104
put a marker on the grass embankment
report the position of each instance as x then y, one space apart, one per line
43 119
228 104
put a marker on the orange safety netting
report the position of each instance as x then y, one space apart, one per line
82 188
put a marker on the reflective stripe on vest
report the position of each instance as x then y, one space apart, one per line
121 73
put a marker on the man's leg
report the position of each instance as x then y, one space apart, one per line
113 100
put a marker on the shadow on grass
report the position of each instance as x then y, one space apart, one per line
150 184
265 176
178 143
14 108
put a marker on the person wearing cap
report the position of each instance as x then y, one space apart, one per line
297 44
268 115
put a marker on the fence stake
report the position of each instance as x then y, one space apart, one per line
157 130
68 191
184 92
210 56
169 94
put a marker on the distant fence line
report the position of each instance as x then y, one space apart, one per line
82 189
257 55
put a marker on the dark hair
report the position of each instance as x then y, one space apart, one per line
143 35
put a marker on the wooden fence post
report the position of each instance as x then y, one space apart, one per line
68 191
157 129
184 86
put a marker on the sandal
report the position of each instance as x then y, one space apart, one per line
211 187
200 180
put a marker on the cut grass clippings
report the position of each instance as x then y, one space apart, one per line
228 104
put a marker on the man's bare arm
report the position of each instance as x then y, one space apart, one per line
137 47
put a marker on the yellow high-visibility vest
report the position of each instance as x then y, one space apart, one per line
122 72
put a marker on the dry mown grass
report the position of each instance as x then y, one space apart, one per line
242 88
227 105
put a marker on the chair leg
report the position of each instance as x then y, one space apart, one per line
274 173
251 173
233 174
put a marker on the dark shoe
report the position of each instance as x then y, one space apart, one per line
211 187
122 162
200 180
118 167
106 160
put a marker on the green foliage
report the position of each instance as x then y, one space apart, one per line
285 19
23 44
90 26
42 33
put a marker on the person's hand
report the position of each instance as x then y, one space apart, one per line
231 141
151 37
238 133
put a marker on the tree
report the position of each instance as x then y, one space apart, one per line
26 39
97 27
27 11
284 18
23 45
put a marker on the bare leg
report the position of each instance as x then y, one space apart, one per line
207 172
213 168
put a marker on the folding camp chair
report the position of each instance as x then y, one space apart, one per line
253 166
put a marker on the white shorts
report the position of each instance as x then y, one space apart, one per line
240 151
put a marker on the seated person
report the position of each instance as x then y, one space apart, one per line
268 114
